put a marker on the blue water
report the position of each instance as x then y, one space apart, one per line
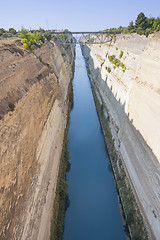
93 213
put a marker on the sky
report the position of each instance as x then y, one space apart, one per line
82 15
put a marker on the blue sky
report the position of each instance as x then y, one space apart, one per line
74 15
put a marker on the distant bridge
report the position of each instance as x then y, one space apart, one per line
66 37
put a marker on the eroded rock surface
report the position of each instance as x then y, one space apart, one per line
33 113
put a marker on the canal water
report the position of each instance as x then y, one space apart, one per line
93 213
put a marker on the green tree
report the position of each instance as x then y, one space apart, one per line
131 27
156 24
141 22
48 36
24 34
12 31
2 31
151 22
41 30
29 39
125 30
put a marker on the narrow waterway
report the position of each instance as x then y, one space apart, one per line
93 213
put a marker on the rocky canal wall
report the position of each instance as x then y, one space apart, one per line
130 90
33 115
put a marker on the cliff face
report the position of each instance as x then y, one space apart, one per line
131 93
33 113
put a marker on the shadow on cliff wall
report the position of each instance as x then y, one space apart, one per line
117 106
97 75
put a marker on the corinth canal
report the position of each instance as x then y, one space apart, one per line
94 212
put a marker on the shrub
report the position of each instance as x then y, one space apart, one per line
125 31
2 31
31 38
130 216
40 58
11 106
63 187
25 45
40 76
12 31
23 40
122 66
108 69
48 36
121 54
111 57
148 31
5 35
140 31
116 62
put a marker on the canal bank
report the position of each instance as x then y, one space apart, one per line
93 212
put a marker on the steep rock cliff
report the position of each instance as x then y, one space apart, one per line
33 113
132 96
